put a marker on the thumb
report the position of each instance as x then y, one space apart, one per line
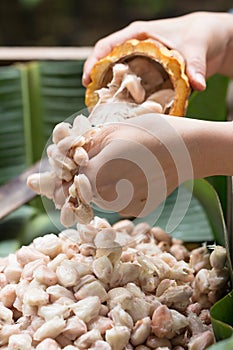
195 56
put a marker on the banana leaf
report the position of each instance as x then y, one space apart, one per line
221 317
13 226
34 97
9 246
223 345
15 122
211 105
56 93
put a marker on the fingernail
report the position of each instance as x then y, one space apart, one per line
196 78
200 79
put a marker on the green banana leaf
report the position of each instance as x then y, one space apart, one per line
9 246
13 226
14 119
211 105
34 97
56 93
221 317
222 345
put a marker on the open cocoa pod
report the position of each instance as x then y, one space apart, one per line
161 72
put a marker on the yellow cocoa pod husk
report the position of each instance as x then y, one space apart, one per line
171 63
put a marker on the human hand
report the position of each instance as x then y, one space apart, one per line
204 39
136 164
123 169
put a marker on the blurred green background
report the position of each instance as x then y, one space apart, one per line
82 22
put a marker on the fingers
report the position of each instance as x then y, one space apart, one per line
195 61
195 56
104 46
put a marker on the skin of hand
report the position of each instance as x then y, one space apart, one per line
205 39
135 164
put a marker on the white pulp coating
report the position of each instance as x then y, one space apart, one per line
88 291
20 342
50 329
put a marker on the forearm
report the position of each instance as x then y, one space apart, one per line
208 144
217 144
